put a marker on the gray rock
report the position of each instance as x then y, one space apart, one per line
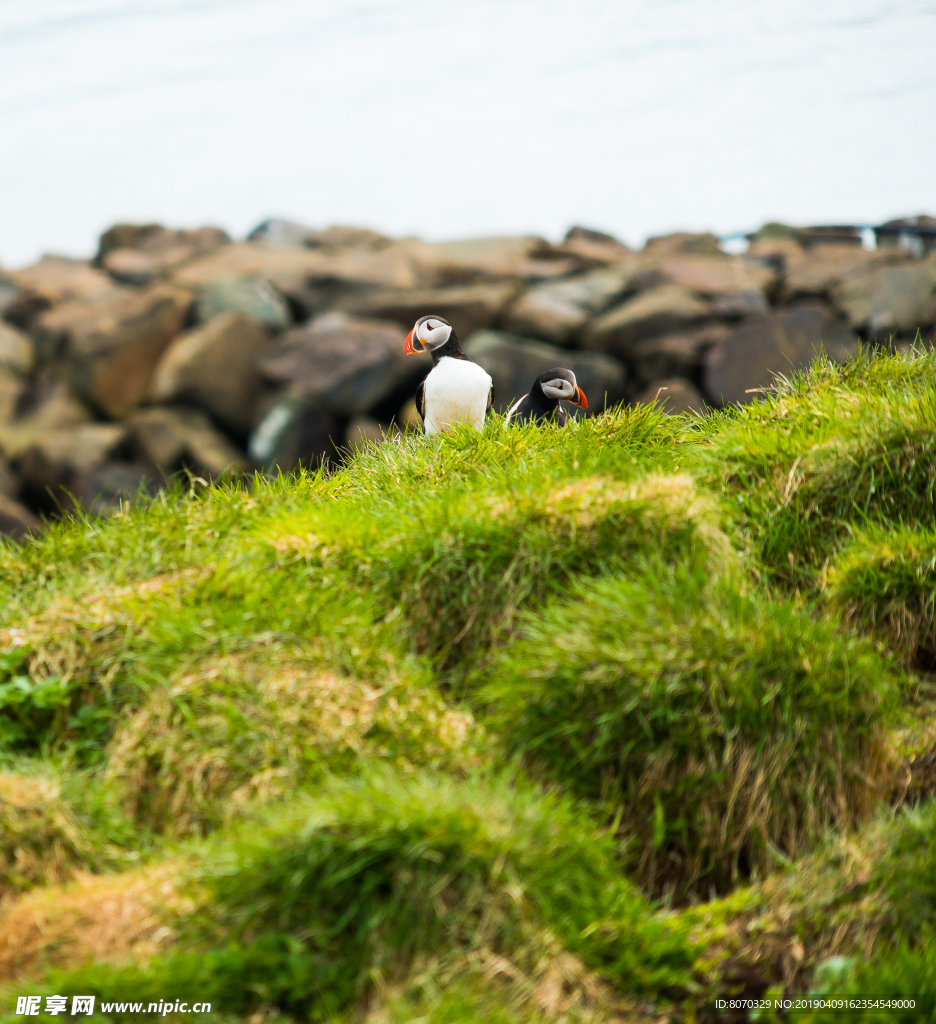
16 521
342 365
174 439
557 310
514 363
16 350
277 231
109 347
665 310
467 307
297 431
674 396
103 490
245 295
882 300
674 355
363 430
215 367
782 342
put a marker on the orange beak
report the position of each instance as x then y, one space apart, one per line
409 346
580 400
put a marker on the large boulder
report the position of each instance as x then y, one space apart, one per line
514 363
297 431
914 234
215 367
16 521
889 299
525 257
56 279
558 310
593 247
248 295
343 365
735 285
664 310
139 253
817 270
675 355
29 411
14 395
170 440
782 342
684 243
467 307
109 347
674 395
16 350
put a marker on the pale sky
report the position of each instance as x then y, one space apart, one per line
461 118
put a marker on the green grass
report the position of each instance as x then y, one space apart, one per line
470 704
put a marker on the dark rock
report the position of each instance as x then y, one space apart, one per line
782 342
297 431
363 430
215 367
28 411
889 299
245 295
675 355
16 521
102 491
831 234
739 305
174 439
514 363
342 365
665 310
674 396
557 310
9 481
16 350
916 235
468 307
683 243
109 347
14 395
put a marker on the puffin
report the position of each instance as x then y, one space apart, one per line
455 390
542 403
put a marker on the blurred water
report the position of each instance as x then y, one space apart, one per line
461 118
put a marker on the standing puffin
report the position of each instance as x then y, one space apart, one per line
456 390
542 403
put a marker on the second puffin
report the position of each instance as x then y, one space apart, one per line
542 403
456 390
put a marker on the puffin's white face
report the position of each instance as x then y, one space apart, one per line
430 332
559 388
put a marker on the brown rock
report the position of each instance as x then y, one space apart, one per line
137 254
514 363
214 367
675 355
343 365
738 284
34 410
362 430
110 347
594 246
56 279
664 310
16 521
172 440
341 236
9 481
522 258
817 270
16 350
885 299
684 243
674 396
14 394
782 342
468 307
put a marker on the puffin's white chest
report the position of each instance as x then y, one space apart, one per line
456 391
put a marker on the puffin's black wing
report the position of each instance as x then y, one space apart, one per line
562 417
421 401
490 399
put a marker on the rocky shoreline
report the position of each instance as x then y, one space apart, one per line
185 350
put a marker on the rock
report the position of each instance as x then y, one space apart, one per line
916 235
245 295
102 491
18 306
782 342
898 299
341 236
214 367
297 431
16 521
171 440
674 396
523 258
408 418
683 243
675 355
738 283
664 310
344 366
33 410
110 347
14 392
594 246
739 305
53 464
9 481
16 350
832 234
54 280
820 268
514 363
468 307
139 253
363 430
558 310
277 231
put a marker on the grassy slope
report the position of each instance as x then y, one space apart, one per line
428 737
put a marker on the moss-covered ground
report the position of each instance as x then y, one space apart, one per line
599 723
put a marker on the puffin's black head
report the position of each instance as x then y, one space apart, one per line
429 332
560 383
